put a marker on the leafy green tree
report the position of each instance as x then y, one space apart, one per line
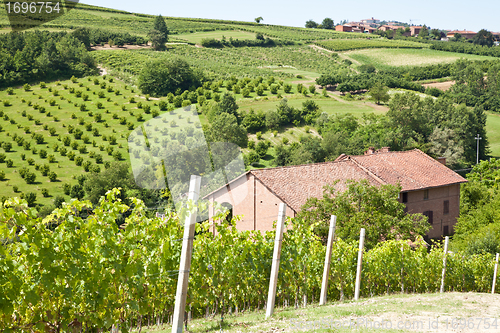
362 205
262 147
30 198
254 121
259 19
379 92
272 119
225 128
310 111
445 143
424 32
456 37
160 77
83 35
282 155
327 23
228 104
484 38
117 175
311 24
435 33
478 228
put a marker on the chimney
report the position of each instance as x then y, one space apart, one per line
442 160
384 150
370 151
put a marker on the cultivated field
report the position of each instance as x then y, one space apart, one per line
383 58
197 37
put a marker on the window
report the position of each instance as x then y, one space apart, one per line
446 231
430 216
405 197
426 194
229 208
446 207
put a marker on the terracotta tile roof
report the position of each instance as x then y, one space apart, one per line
461 32
295 184
414 169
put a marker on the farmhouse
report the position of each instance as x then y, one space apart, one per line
344 28
428 187
415 30
464 33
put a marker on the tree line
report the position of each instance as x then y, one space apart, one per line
436 126
42 55
259 41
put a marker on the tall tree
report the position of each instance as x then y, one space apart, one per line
379 92
424 32
327 23
484 38
159 34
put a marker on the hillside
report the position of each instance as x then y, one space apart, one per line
91 117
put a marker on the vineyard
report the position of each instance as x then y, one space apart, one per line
300 34
353 44
241 62
387 58
73 269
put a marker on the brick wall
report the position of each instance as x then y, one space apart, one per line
435 203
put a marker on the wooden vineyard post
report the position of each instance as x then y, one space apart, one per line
360 261
443 274
276 261
495 271
328 257
187 251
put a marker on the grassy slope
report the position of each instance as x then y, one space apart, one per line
63 110
384 58
493 131
194 30
413 310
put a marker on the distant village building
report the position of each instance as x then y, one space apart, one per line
415 30
355 27
371 22
464 33
428 187
343 28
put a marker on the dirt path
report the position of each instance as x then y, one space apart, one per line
440 85
124 47
102 70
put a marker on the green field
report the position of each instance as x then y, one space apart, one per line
328 105
493 131
368 43
384 58
115 122
197 37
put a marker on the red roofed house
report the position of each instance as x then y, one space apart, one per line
464 33
428 187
